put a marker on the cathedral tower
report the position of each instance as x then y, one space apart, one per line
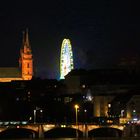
26 59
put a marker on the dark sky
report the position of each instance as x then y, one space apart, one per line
102 32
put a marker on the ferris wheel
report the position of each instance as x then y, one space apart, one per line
66 58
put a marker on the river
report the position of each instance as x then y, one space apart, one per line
102 138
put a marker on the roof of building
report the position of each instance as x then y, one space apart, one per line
10 72
106 76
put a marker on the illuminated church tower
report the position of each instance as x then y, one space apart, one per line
26 59
66 58
25 69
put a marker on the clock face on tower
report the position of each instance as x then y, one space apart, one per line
66 58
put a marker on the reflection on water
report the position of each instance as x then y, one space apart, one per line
105 138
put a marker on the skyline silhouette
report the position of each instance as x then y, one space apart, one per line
102 33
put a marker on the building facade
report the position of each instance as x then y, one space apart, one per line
25 69
115 92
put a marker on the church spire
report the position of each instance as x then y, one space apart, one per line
27 38
26 42
26 59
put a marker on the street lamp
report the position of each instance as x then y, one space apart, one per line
85 115
76 118
34 115
41 115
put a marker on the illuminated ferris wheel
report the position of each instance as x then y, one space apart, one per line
66 58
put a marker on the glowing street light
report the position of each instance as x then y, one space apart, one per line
76 118
34 115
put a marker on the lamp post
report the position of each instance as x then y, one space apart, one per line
85 116
34 115
41 116
76 119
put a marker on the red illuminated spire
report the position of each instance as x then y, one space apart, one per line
26 42
27 39
26 60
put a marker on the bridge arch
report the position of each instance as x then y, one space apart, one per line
18 133
60 132
105 132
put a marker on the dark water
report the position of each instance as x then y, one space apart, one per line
103 138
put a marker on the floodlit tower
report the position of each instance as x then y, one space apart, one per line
66 58
26 59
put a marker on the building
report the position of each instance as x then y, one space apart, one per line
25 69
111 89
133 107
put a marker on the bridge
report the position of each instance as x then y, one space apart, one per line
42 128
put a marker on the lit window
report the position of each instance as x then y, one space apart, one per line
122 113
28 65
109 105
83 86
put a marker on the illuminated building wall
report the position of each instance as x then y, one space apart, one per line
133 107
66 58
100 104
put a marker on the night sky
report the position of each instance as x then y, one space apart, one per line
102 32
